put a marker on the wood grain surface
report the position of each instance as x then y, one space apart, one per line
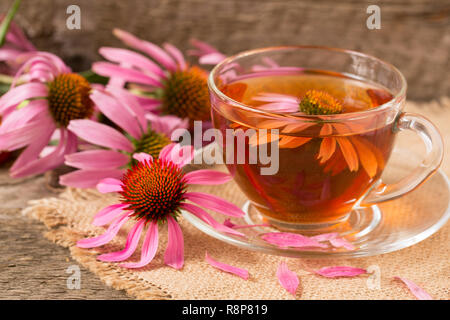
414 34
31 267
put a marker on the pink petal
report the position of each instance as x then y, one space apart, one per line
100 134
130 246
147 47
167 124
15 35
165 152
53 61
206 217
202 47
97 159
141 157
340 271
128 57
177 55
417 291
230 224
21 93
132 103
174 255
325 236
107 236
117 113
115 83
8 54
111 70
20 117
33 150
110 185
88 178
181 155
39 67
286 239
342 243
106 215
227 268
212 58
207 53
67 144
25 134
287 278
149 247
335 240
207 177
215 203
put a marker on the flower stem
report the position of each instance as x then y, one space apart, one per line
4 27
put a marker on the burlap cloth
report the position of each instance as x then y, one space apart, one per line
68 219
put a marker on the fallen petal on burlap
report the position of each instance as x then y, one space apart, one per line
417 291
287 278
226 267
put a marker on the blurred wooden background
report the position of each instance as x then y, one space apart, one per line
414 34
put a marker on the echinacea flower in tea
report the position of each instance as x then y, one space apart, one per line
335 142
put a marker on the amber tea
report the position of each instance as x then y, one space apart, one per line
325 166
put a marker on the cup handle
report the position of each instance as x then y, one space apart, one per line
434 154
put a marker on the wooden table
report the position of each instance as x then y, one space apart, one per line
32 267
414 34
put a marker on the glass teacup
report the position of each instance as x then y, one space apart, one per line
328 118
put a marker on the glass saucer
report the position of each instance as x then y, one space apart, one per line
379 229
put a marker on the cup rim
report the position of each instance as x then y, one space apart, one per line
323 118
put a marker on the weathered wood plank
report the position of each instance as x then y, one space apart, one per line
414 34
31 267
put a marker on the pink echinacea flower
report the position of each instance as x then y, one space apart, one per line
50 97
160 77
113 154
15 45
152 193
